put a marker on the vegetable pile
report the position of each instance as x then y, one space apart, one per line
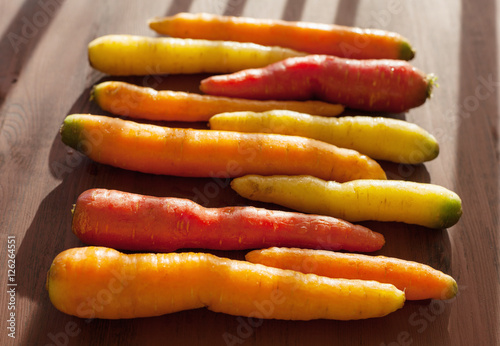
273 108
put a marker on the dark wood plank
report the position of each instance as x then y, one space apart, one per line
44 75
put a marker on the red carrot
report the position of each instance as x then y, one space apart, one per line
145 223
372 85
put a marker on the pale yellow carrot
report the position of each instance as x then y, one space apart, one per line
377 137
428 205
120 55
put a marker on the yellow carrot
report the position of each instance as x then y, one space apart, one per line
96 282
427 205
377 137
140 55
313 38
417 280
208 153
146 103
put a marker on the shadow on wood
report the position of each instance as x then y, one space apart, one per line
21 38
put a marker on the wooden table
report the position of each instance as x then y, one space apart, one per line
44 75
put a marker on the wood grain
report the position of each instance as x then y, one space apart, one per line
44 75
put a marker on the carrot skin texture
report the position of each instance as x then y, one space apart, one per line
146 103
206 153
428 205
370 85
135 222
123 55
313 38
144 285
417 280
380 138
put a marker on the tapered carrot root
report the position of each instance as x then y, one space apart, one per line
129 221
417 280
96 282
380 138
312 38
371 85
207 153
423 204
122 55
147 103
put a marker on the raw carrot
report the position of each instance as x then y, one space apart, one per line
313 38
135 222
208 153
121 55
380 138
417 280
423 204
146 103
97 282
371 85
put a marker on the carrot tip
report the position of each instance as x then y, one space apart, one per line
70 131
92 93
406 51
453 290
431 80
152 23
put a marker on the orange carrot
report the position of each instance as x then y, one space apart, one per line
313 38
417 280
208 153
96 282
135 222
146 103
